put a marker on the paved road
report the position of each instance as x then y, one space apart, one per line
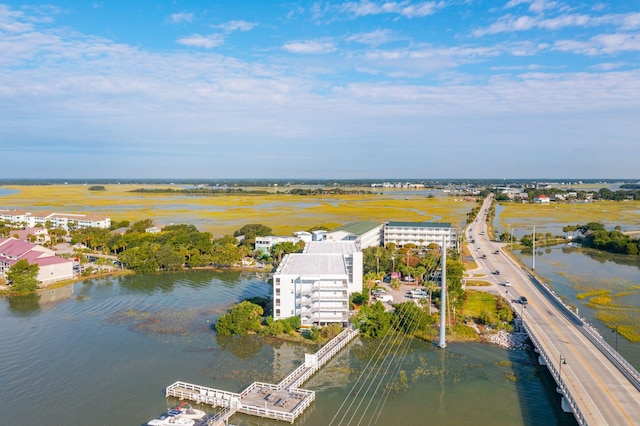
605 396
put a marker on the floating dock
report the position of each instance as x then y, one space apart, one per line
284 401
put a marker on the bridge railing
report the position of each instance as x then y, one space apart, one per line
591 333
556 375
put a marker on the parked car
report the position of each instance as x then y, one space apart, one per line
378 291
385 298
523 300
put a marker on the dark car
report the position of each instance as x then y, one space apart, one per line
496 272
523 300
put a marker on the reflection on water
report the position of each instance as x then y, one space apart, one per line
107 354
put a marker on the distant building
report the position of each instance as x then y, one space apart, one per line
40 235
57 220
315 285
541 199
420 233
365 234
264 244
52 267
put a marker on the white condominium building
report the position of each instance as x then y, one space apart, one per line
57 220
419 233
315 285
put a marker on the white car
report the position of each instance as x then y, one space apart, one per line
507 283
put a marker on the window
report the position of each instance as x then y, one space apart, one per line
277 302
277 312
277 292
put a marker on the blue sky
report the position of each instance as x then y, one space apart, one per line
327 89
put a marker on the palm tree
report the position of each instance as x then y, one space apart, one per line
431 285
370 279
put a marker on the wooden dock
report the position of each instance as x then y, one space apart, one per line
284 401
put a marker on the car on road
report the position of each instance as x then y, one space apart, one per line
496 252
484 256
496 272
523 300
507 283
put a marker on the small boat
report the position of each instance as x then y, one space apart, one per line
172 420
186 411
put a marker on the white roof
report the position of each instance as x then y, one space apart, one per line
336 247
314 264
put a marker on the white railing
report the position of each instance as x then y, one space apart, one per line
201 394
556 375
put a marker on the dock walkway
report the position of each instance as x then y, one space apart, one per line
284 401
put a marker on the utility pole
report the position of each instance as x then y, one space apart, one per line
534 248
443 297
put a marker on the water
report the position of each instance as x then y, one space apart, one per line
572 271
102 352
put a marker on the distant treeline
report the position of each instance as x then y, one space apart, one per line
601 194
217 191
630 186
429 183
594 235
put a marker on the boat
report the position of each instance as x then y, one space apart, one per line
172 420
186 411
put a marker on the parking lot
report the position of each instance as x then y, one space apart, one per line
399 296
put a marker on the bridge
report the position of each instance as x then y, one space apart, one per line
595 383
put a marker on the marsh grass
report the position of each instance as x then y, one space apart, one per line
606 297
607 212
223 214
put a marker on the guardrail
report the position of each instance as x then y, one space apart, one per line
590 332
556 375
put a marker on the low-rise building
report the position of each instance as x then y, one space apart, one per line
52 267
365 234
420 233
316 284
264 244
56 220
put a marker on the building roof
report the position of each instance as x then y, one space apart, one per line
420 224
313 264
12 247
334 247
358 228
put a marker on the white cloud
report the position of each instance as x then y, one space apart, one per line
179 18
404 8
601 44
372 38
535 6
311 47
204 41
511 23
237 26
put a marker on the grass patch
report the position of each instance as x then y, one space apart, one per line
478 302
477 283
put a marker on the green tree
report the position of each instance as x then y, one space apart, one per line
23 277
243 318
373 321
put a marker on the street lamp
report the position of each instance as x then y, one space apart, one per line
562 361
615 330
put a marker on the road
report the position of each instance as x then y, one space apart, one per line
605 396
